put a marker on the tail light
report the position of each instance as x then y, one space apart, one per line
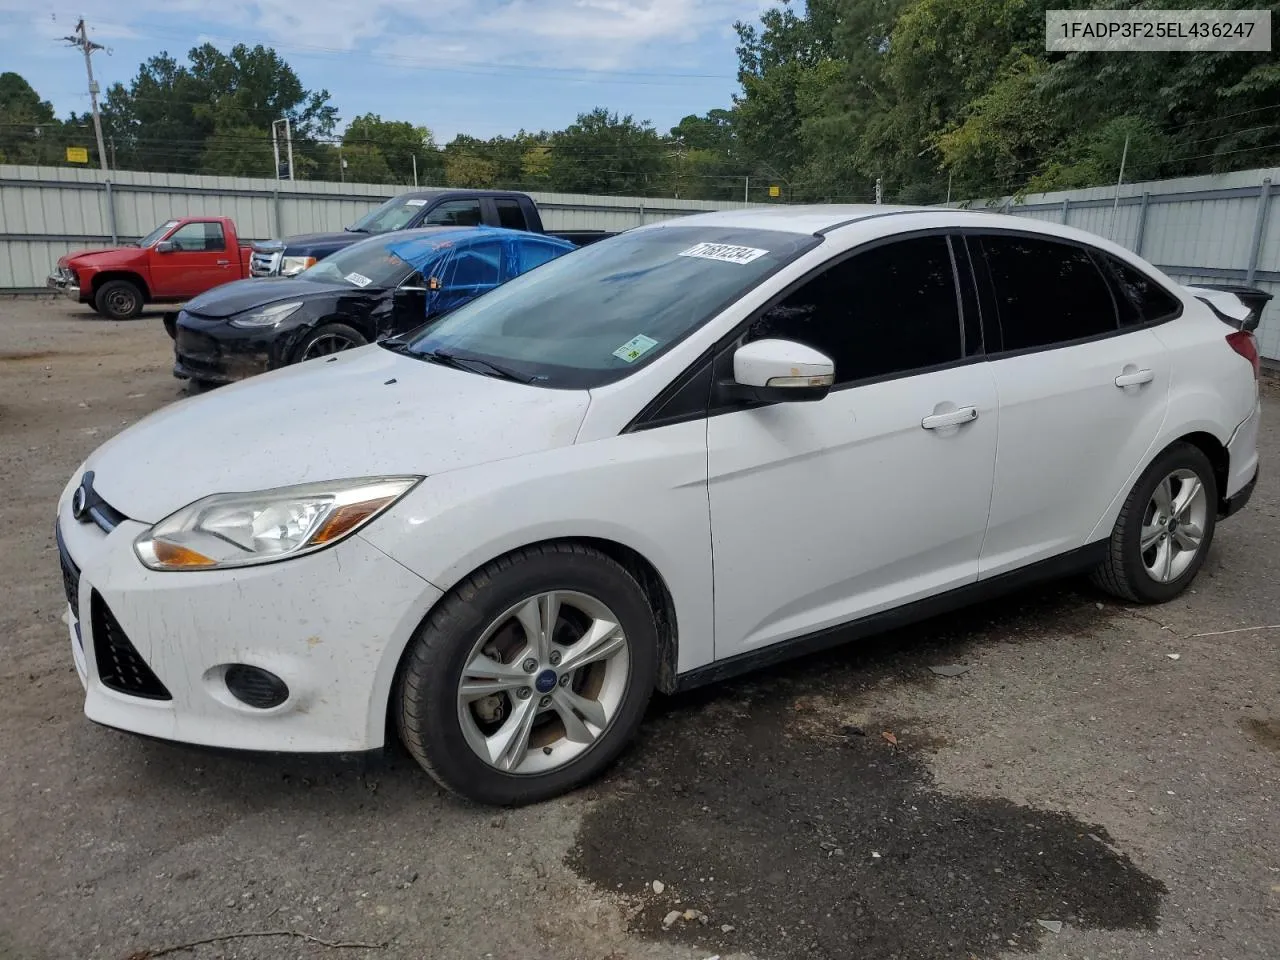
1244 343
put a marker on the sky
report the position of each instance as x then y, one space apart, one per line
481 67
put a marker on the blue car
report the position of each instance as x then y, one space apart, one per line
381 287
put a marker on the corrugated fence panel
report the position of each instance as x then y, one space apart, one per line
48 211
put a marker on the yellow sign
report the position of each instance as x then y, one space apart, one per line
775 190
77 155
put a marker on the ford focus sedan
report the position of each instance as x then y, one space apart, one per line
681 453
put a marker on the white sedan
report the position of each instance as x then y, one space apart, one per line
698 447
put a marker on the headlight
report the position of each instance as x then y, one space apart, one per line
268 316
241 529
292 266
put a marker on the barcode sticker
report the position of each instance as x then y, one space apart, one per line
415 203
724 252
359 279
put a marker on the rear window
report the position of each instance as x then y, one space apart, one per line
1142 300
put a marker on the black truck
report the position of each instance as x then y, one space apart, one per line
421 208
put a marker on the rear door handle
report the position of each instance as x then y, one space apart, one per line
952 419
1134 379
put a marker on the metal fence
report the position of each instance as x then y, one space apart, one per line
48 211
1214 229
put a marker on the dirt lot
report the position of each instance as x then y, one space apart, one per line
1113 772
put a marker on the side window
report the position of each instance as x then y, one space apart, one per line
473 266
535 254
890 310
1046 293
198 237
1143 300
456 213
510 215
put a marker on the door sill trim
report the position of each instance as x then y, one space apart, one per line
1065 564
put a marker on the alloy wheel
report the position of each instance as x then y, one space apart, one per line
543 682
325 345
1173 526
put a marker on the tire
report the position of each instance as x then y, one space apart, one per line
439 727
329 339
119 300
1139 576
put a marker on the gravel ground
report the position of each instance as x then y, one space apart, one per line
1077 792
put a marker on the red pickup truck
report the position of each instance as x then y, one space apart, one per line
174 262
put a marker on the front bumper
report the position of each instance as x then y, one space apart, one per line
217 352
66 284
332 625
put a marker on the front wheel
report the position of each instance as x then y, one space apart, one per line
118 300
530 676
329 339
1164 529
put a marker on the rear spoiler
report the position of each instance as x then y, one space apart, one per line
1239 307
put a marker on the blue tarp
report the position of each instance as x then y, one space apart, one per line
459 264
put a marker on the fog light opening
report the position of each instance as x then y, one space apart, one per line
255 687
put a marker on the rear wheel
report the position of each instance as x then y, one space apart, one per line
329 339
118 300
1164 529
530 676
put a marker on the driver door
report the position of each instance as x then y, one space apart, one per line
877 495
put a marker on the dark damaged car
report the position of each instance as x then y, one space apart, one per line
381 287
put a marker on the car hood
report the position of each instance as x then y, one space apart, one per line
241 295
113 256
367 412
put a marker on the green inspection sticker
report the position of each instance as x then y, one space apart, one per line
635 348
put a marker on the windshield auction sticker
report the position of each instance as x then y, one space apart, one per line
1168 30
415 203
638 345
724 252
359 279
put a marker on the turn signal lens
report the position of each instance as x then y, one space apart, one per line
176 555
345 519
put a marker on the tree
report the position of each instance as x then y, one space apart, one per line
606 154
163 118
29 132
385 151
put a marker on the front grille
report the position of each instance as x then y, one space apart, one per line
264 264
197 351
70 574
120 666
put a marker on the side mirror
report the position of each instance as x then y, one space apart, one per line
166 246
778 371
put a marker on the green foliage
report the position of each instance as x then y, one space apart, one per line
928 97
605 153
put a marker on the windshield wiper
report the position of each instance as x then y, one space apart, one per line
465 363
355 229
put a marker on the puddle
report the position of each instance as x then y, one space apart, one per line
762 806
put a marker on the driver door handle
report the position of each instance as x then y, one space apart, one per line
1134 379
224 263
952 419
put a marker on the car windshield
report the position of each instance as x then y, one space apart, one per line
395 214
155 235
366 264
602 312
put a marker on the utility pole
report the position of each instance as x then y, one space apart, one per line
414 158
80 39
275 146
1115 207
746 189
342 166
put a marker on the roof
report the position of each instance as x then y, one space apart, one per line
430 193
883 219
